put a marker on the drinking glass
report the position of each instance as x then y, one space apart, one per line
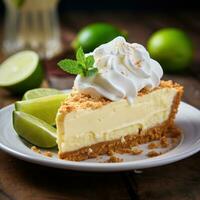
33 25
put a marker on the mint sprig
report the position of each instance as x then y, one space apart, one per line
83 65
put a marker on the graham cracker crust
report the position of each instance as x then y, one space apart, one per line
143 136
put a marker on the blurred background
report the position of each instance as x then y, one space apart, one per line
51 27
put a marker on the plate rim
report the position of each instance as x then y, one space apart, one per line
87 166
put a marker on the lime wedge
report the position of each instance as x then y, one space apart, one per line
34 130
21 72
40 92
44 108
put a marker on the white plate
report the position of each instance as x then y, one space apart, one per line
188 119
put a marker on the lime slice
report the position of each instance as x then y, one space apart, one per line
40 92
34 130
44 108
21 72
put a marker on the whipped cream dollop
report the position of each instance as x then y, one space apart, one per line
123 70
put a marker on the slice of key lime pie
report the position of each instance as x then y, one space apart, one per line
117 101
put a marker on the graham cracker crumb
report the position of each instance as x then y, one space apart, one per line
35 149
123 140
111 153
164 142
153 153
91 153
174 132
78 100
163 84
90 150
136 151
153 145
124 150
48 154
114 159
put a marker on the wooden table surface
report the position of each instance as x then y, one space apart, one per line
20 180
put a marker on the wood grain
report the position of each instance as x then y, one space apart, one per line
175 181
20 180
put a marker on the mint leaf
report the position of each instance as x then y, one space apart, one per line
91 72
80 56
82 65
70 66
89 62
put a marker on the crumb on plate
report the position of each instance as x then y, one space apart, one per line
153 154
35 149
174 132
153 145
114 159
48 154
136 151
110 153
164 142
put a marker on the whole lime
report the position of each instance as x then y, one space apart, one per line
96 34
172 48
21 72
